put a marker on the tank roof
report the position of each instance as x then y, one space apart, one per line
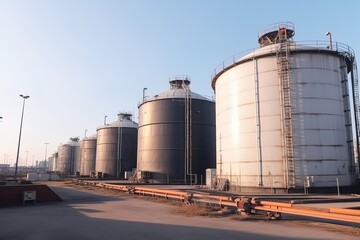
178 84
179 80
340 49
177 93
74 141
305 46
123 121
91 137
270 34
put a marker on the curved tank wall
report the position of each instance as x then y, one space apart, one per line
68 160
77 158
162 141
52 162
251 127
88 155
63 163
116 147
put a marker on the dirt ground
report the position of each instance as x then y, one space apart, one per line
198 210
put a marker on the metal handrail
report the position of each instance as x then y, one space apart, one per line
230 61
275 26
338 47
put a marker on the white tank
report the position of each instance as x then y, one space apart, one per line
283 114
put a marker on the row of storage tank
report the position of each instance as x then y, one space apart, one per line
173 142
287 116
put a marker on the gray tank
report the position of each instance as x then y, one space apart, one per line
116 147
176 139
68 160
52 162
88 155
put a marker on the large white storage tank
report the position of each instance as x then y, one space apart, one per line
285 114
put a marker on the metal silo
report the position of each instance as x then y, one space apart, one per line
88 155
68 160
176 138
52 162
285 114
62 163
116 147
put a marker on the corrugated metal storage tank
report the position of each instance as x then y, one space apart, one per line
283 114
116 147
176 134
68 160
52 162
88 155
63 162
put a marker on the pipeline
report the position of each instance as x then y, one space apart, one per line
246 205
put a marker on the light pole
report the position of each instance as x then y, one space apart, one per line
144 89
105 120
330 37
21 122
45 153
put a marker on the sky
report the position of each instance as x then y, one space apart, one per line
82 60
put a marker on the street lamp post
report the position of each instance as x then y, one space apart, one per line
45 154
330 38
144 89
21 122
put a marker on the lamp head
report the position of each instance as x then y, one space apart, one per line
25 97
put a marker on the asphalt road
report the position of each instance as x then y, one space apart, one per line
89 214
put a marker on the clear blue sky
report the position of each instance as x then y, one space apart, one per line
80 60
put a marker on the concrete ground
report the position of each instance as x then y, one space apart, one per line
93 214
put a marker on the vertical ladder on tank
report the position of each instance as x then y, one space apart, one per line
355 83
347 110
258 126
188 133
284 77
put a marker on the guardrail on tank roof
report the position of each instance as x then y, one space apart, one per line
156 97
338 47
275 27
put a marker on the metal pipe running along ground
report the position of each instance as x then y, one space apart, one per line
243 204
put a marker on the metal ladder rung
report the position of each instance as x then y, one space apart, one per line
283 72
